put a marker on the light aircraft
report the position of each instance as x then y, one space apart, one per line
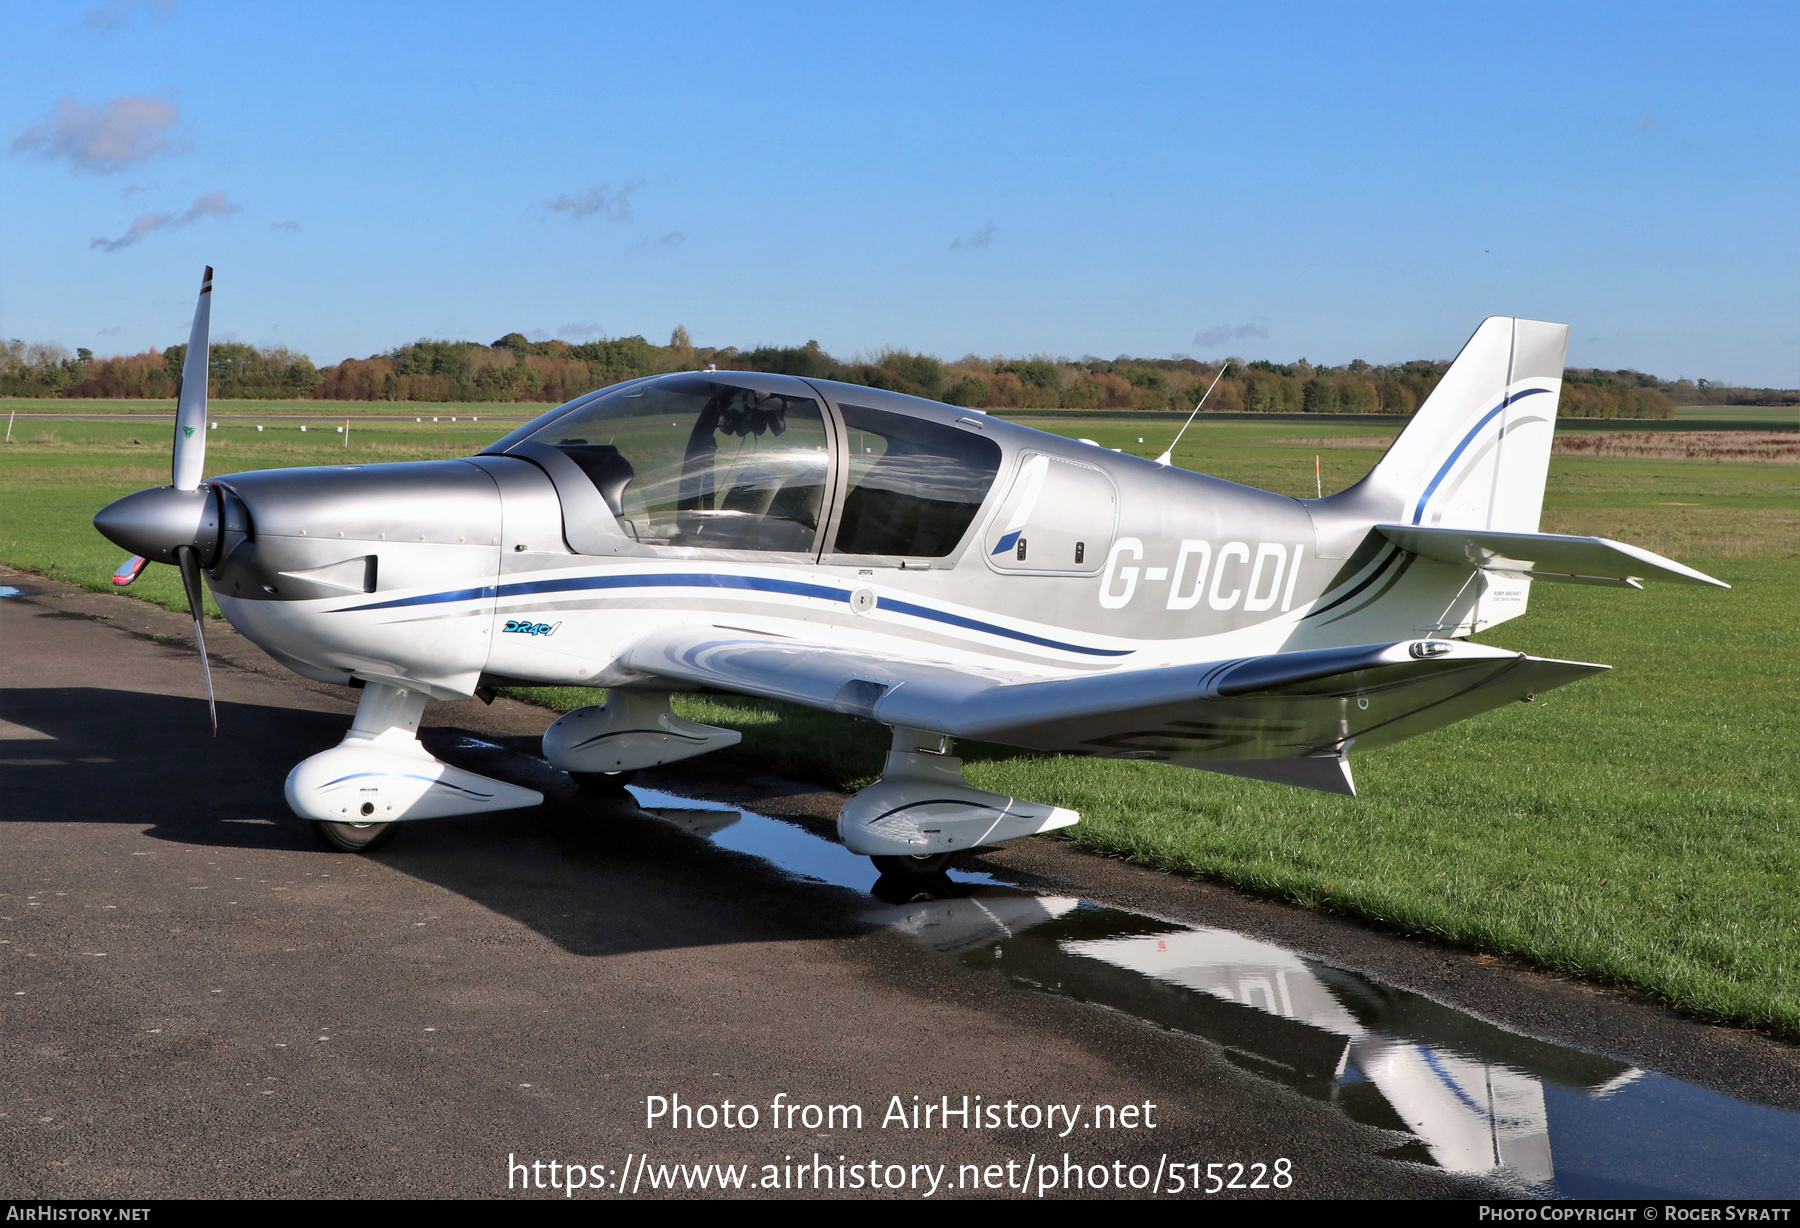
942 572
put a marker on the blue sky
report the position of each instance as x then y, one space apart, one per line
1263 180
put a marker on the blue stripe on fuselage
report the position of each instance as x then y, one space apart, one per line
761 584
531 588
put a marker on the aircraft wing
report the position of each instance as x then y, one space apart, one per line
1287 717
1544 556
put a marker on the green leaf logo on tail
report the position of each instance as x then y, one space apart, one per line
187 432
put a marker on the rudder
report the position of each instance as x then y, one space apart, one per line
1477 453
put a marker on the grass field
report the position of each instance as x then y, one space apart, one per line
1773 417
1640 828
55 475
236 410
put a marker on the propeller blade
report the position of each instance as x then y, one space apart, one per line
190 399
129 570
190 580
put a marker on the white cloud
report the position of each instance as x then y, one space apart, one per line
106 138
600 199
116 13
981 238
213 204
674 238
1220 334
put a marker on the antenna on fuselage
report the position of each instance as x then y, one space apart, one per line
1164 458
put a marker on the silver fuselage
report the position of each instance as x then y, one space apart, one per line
508 568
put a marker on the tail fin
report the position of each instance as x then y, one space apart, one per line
1476 454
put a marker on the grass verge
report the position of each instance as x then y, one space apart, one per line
1638 828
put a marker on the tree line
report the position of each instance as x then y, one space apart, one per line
515 369
235 370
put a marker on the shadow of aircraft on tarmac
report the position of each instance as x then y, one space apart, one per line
594 874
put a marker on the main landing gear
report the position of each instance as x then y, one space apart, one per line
601 783
924 863
602 748
911 823
922 813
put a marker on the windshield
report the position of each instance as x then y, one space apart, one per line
693 462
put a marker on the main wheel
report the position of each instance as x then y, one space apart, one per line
356 837
601 782
915 888
926 863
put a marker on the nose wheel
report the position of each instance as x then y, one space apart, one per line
356 837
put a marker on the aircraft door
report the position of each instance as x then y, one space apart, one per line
1058 519
912 487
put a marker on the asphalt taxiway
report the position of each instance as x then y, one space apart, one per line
197 999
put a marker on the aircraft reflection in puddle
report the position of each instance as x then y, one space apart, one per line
1476 1098
1389 1058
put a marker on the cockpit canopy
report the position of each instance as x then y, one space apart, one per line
690 462
698 461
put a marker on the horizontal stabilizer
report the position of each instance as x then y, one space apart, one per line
1544 556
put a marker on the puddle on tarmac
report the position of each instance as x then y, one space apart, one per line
1474 1097
7 590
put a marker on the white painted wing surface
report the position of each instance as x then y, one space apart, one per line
1288 717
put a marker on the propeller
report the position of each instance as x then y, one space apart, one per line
190 396
190 580
178 523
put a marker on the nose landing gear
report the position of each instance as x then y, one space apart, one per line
356 837
358 791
